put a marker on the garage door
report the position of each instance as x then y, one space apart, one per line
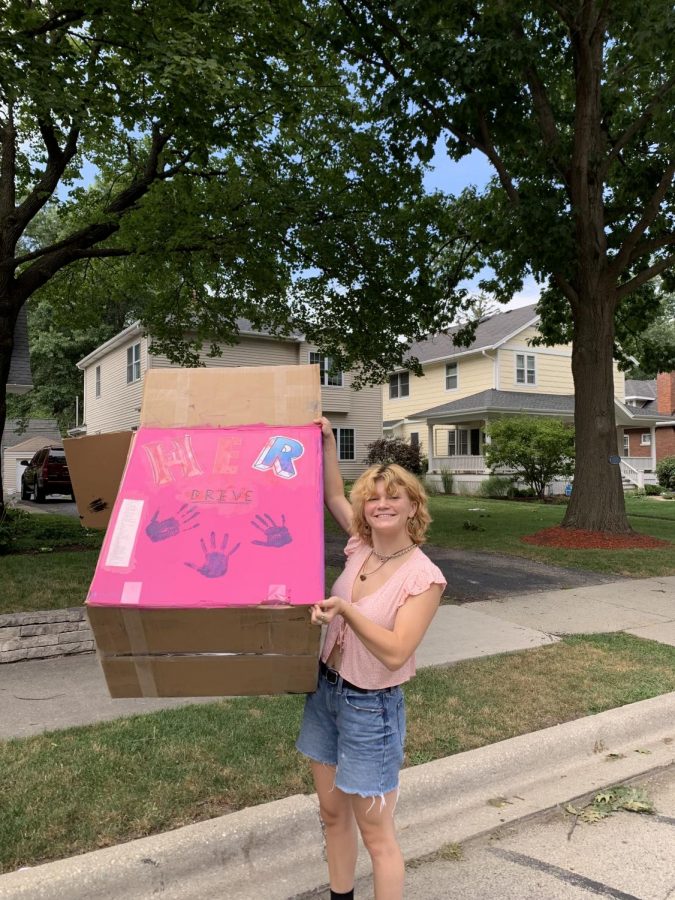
19 471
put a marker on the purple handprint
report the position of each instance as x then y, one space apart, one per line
215 560
167 528
275 535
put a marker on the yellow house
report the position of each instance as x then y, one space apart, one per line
446 410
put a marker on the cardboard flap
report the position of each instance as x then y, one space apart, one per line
269 395
96 463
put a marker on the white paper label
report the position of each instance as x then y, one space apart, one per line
124 537
131 592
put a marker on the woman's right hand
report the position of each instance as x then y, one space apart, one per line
326 427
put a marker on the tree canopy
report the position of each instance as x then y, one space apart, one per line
571 102
236 173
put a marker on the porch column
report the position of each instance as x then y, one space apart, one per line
653 446
431 465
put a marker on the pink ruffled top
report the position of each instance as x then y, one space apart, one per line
358 664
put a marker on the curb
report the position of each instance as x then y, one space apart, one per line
276 850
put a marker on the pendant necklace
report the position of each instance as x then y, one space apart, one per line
384 559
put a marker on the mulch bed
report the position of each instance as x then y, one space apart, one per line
578 539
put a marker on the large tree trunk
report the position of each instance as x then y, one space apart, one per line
7 324
597 501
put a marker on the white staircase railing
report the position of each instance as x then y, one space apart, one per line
630 473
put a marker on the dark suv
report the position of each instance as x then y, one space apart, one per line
47 473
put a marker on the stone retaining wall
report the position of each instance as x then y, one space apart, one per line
39 635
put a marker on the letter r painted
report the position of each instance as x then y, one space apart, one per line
278 454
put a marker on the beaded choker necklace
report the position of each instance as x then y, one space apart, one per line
384 559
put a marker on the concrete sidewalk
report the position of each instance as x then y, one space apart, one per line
46 694
33 693
276 851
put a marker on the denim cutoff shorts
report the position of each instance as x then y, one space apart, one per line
362 734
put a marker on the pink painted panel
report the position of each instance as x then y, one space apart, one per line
216 517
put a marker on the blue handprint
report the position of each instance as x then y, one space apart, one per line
215 559
160 531
275 535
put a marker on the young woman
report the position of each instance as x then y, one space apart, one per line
353 727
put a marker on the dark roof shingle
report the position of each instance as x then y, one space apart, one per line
488 333
44 428
645 390
508 401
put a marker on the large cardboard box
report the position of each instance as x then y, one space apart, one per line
232 617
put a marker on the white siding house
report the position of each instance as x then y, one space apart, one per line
114 374
21 445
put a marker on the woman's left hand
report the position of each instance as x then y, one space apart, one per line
323 613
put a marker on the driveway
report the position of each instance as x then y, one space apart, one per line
485 576
59 503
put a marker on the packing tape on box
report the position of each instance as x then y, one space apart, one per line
133 625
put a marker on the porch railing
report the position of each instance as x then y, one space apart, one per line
630 473
460 463
639 463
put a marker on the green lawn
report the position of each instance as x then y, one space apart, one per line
50 566
501 524
37 532
68 792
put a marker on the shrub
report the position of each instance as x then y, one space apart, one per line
395 450
430 486
446 479
536 450
13 522
668 496
665 472
653 490
496 486
524 492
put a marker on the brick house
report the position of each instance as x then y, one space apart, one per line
658 398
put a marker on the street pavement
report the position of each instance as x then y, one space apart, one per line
628 856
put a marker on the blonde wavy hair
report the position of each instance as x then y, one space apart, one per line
394 477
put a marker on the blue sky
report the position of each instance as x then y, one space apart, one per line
452 177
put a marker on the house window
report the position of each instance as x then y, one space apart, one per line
133 363
98 381
525 371
626 445
646 439
399 385
344 438
451 376
414 438
458 442
329 377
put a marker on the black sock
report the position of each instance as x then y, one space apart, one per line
348 895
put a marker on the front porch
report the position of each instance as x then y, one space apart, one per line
456 438
469 469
